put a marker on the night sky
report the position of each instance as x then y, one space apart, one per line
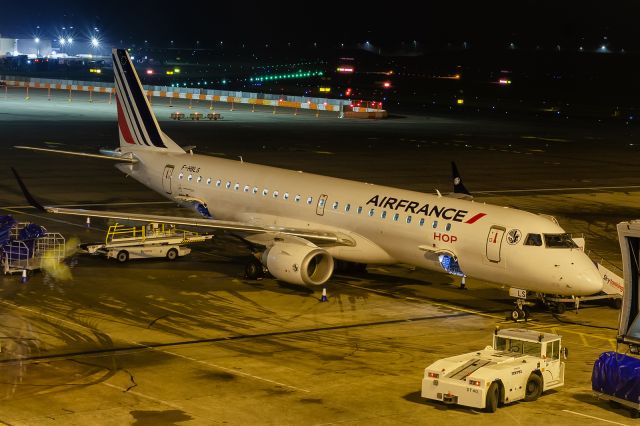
527 23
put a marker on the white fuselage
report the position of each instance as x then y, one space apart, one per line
388 225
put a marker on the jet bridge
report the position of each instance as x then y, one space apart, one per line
629 327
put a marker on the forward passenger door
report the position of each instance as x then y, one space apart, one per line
166 178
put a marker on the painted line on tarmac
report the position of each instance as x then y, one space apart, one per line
431 302
555 329
596 418
141 395
51 317
144 346
231 370
581 188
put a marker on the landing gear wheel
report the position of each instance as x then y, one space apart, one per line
491 403
534 388
518 314
253 270
172 254
616 303
122 256
560 308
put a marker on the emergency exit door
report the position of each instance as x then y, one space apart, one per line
166 178
494 243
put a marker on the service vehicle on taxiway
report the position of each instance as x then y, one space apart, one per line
521 365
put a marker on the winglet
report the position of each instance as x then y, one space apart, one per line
27 194
458 186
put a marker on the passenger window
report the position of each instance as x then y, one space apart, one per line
321 202
347 208
209 181
199 179
396 216
180 175
265 192
189 178
275 194
228 185
448 227
434 225
246 188
421 221
255 190
408 219
533 240
335 205
218 183
371 212
286 196
236 186
359 209
309 200
384 214
297 199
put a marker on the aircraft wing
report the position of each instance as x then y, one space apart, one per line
321 237
316 236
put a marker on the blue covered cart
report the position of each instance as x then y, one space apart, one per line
616 378
27 246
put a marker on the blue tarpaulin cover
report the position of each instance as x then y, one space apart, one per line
31 232
617 375
6 223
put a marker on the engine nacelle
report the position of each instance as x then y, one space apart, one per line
298 264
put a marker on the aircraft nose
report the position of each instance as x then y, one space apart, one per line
590 282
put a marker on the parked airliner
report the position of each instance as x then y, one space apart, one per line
302 222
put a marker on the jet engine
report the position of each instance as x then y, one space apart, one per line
298 264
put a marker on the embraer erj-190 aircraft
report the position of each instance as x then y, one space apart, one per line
302 222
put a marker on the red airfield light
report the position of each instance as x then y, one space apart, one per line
149 71
386 84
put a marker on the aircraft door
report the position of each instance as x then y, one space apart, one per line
494 243
166 178
321 203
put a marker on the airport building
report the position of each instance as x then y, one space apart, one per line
25 46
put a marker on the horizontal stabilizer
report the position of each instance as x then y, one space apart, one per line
119 158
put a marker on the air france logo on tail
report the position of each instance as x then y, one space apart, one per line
136 122
446 213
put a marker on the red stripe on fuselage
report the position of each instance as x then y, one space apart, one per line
476 218
122 123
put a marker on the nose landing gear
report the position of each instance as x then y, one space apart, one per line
521 312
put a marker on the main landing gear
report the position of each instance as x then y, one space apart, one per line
253 270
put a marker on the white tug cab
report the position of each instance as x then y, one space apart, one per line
520 365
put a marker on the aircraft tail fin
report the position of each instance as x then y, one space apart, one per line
137 124
458 186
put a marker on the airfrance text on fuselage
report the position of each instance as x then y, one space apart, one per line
446 213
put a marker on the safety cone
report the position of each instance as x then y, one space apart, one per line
324 295
24 278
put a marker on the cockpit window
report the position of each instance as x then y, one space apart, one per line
533 240
559 241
